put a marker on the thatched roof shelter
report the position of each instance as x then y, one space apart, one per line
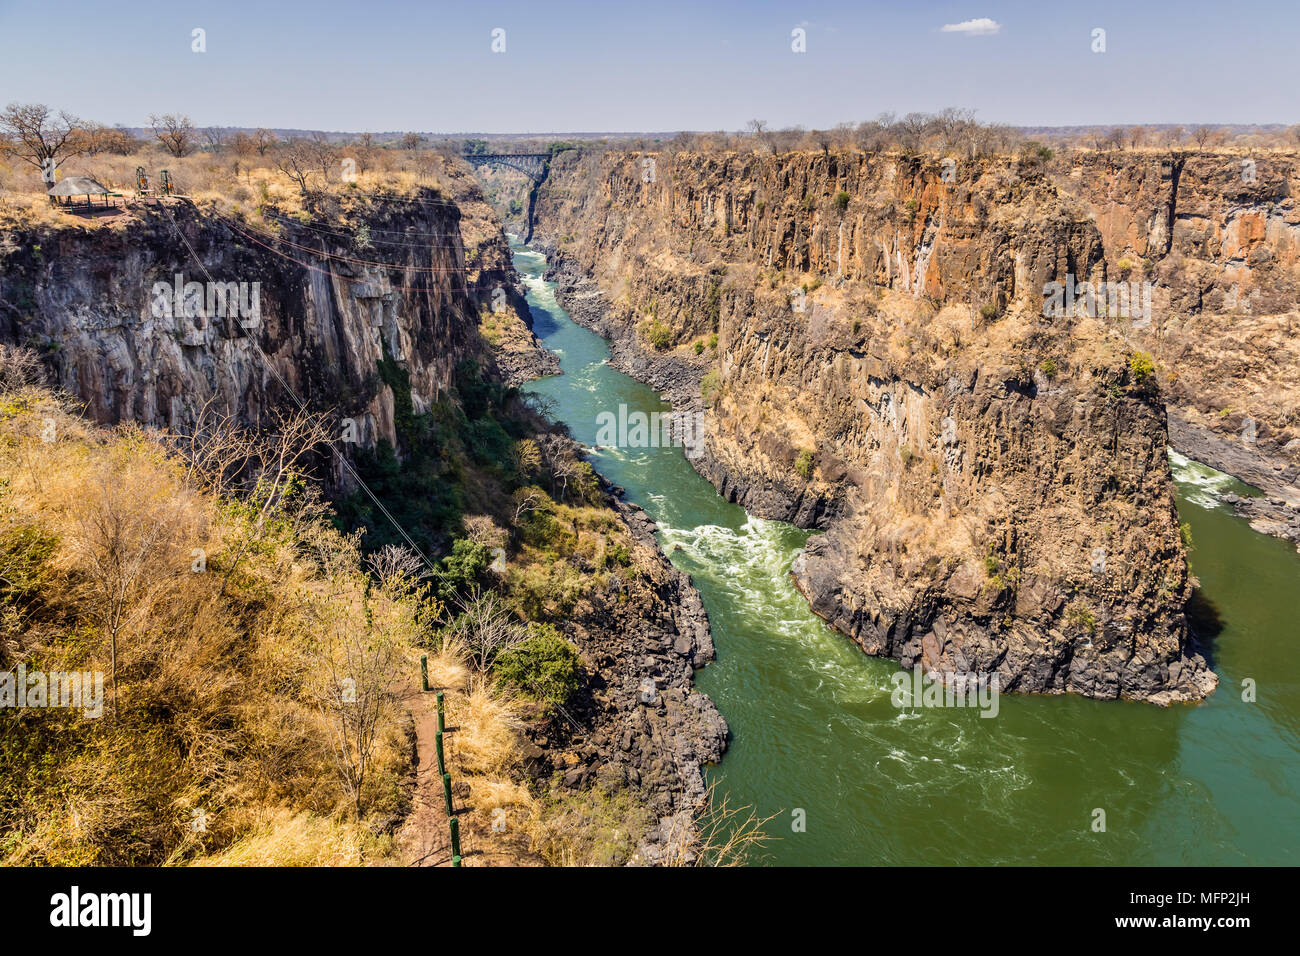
71 186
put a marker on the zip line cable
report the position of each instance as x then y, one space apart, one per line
318 252
295 224
430 270
302 406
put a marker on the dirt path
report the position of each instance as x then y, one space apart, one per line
424 839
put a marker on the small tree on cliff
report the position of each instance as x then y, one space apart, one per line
37 135
296 159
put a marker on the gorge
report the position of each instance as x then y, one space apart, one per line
864 339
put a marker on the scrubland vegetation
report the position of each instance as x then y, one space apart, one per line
260 656
249 170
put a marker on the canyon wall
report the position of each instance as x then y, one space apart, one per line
98 303
868 339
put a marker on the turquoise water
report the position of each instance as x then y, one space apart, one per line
816 738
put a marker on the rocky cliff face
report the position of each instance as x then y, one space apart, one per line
1218 238
993 480
101 306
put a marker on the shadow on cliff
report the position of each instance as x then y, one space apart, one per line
1205 624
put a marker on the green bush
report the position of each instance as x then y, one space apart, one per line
803 465
699 346
1143 367
656 333
544 666
1081 616
1048 368
462 569
841 201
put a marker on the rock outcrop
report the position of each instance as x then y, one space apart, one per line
100 306
869 339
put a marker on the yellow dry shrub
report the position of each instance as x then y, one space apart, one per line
300 839
214 607
487 729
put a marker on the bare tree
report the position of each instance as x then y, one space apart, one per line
912 129
38 136
215 137
243 145
174 131
128 542
262 468
757 130
953 125
871 136
395 565
410 141
487 626
361 667
481 529
1201 135
19 367
263 139
322 153
526 500
296 159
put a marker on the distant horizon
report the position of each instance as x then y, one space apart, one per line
459 134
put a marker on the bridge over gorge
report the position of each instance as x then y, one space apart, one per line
533 165
530 164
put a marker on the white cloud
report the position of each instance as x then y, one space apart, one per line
979 27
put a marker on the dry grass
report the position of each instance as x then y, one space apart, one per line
233 183
106 542
487 730
449 666
301 839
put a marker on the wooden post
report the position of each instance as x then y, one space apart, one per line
441 726
442 763
424 672
446 792
454 824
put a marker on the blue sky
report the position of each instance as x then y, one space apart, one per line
661 65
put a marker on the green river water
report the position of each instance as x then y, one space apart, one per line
814 729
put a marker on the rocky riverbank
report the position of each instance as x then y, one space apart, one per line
1277 510
640 723
677 377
